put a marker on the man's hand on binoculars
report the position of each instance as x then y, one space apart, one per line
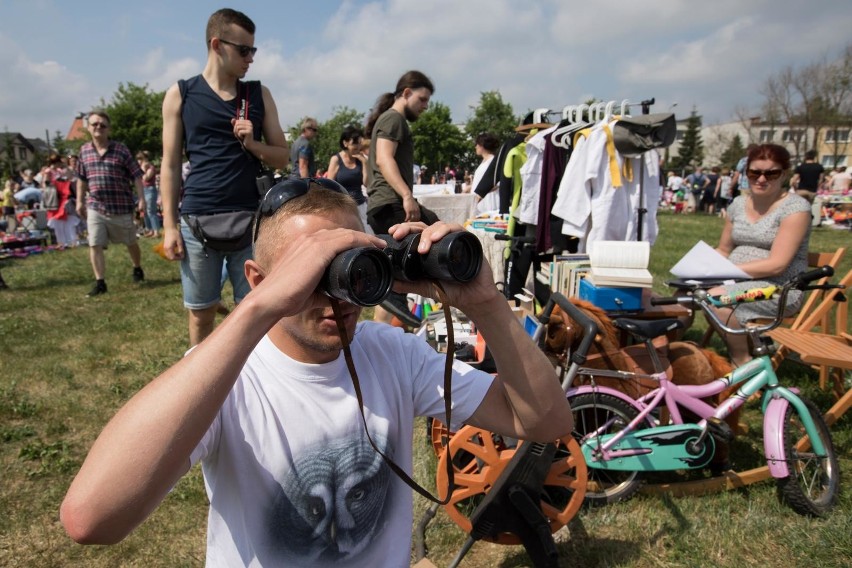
468 296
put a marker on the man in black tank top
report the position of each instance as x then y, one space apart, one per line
228 128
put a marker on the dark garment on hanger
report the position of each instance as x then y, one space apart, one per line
506 182
549 229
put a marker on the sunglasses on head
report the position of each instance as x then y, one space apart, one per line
770 175
284 191
243 50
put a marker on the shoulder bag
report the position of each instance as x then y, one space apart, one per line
223 232
635 135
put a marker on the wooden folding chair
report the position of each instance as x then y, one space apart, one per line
830 352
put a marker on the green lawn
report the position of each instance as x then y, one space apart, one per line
70 362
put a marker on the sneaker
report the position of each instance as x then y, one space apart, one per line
138 274
97 289
397 304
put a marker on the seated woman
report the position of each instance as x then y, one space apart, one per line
766 234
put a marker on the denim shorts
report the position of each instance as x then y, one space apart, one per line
201 272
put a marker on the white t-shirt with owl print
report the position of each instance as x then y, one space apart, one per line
291 477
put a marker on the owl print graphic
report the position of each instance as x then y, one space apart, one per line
332 503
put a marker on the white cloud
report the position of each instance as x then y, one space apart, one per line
39 95
160 73
693 62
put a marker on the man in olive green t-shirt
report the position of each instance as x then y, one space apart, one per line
390 197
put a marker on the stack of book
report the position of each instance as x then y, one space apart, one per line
564 273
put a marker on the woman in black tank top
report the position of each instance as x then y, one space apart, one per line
347 167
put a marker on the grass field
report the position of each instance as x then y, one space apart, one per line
68 363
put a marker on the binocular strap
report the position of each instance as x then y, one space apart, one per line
448 400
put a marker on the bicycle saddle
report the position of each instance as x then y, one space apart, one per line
647 329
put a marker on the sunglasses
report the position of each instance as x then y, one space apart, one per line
284 191
99 125
770 175
243 50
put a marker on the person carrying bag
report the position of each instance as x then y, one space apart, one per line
226 128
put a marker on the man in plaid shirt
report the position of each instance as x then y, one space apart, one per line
106 169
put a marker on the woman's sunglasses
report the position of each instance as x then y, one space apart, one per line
284 191
770 175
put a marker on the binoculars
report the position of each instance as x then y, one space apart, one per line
364 275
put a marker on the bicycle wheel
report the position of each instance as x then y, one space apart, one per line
813 486
592 411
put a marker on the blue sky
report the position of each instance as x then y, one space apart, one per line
58 58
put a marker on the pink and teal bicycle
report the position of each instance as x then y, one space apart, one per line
621 438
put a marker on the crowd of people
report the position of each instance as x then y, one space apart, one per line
709 193
52 190
713 192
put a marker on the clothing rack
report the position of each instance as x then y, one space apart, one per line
521 254
597 111
575 114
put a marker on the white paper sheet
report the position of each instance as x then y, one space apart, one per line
703 261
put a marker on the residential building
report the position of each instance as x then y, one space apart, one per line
78 128
833 143
16 150
835 146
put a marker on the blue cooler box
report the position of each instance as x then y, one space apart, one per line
611 299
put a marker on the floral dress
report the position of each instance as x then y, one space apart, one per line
753 241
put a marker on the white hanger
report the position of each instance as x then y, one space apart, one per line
596 112
574 115
625 106
568 112
608 111
578 113
540 115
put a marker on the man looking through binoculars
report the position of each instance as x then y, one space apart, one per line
266 404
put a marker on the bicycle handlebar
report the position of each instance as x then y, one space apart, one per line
521 240
705 302
806 277
590 328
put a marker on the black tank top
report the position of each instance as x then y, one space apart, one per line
222 174
351 179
